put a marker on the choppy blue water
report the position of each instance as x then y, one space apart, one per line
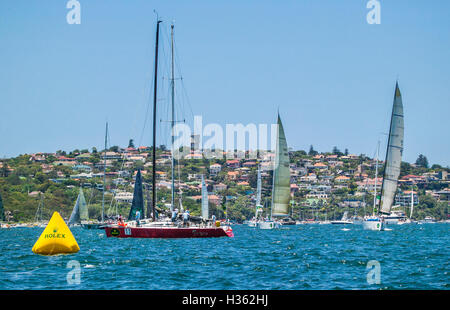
298 257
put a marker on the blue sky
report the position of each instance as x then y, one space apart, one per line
330 73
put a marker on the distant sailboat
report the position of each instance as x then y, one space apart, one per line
102 223
38 220
343 220
80 211
409 220
281 181
258 207
392 165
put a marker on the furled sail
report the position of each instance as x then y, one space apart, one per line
138 198
205 210
80 211
393 154
281 175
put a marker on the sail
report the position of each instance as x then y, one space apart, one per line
344 216
205 210
79 211
258 188
281 175
75 216
38 215
84 215
138 198
393 154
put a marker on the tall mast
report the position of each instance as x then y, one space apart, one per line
376 178
104 175
172 127
154 123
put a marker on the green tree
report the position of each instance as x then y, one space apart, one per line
4 172
422 161
312 152
336 151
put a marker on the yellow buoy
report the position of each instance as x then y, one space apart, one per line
56 238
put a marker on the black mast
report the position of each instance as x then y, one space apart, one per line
154 124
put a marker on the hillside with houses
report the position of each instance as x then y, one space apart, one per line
323 185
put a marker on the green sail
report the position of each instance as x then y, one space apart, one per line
281 175
138 198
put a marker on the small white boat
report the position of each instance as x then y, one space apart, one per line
324 222
427 220
341 222
268 225
252 223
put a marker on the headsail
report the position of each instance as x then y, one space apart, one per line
138 198
281 175
80 211
205 209
393 154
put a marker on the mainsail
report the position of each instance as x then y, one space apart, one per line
80 211
281 175
205 210
138 198
393 154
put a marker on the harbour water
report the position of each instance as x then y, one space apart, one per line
292 258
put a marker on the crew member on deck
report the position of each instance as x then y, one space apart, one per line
120 221
138 217
186 218
174 215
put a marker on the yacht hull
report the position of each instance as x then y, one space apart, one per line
373 225
168 232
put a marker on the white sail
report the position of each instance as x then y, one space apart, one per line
393 154
281 175
80 211
205 209
258 188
